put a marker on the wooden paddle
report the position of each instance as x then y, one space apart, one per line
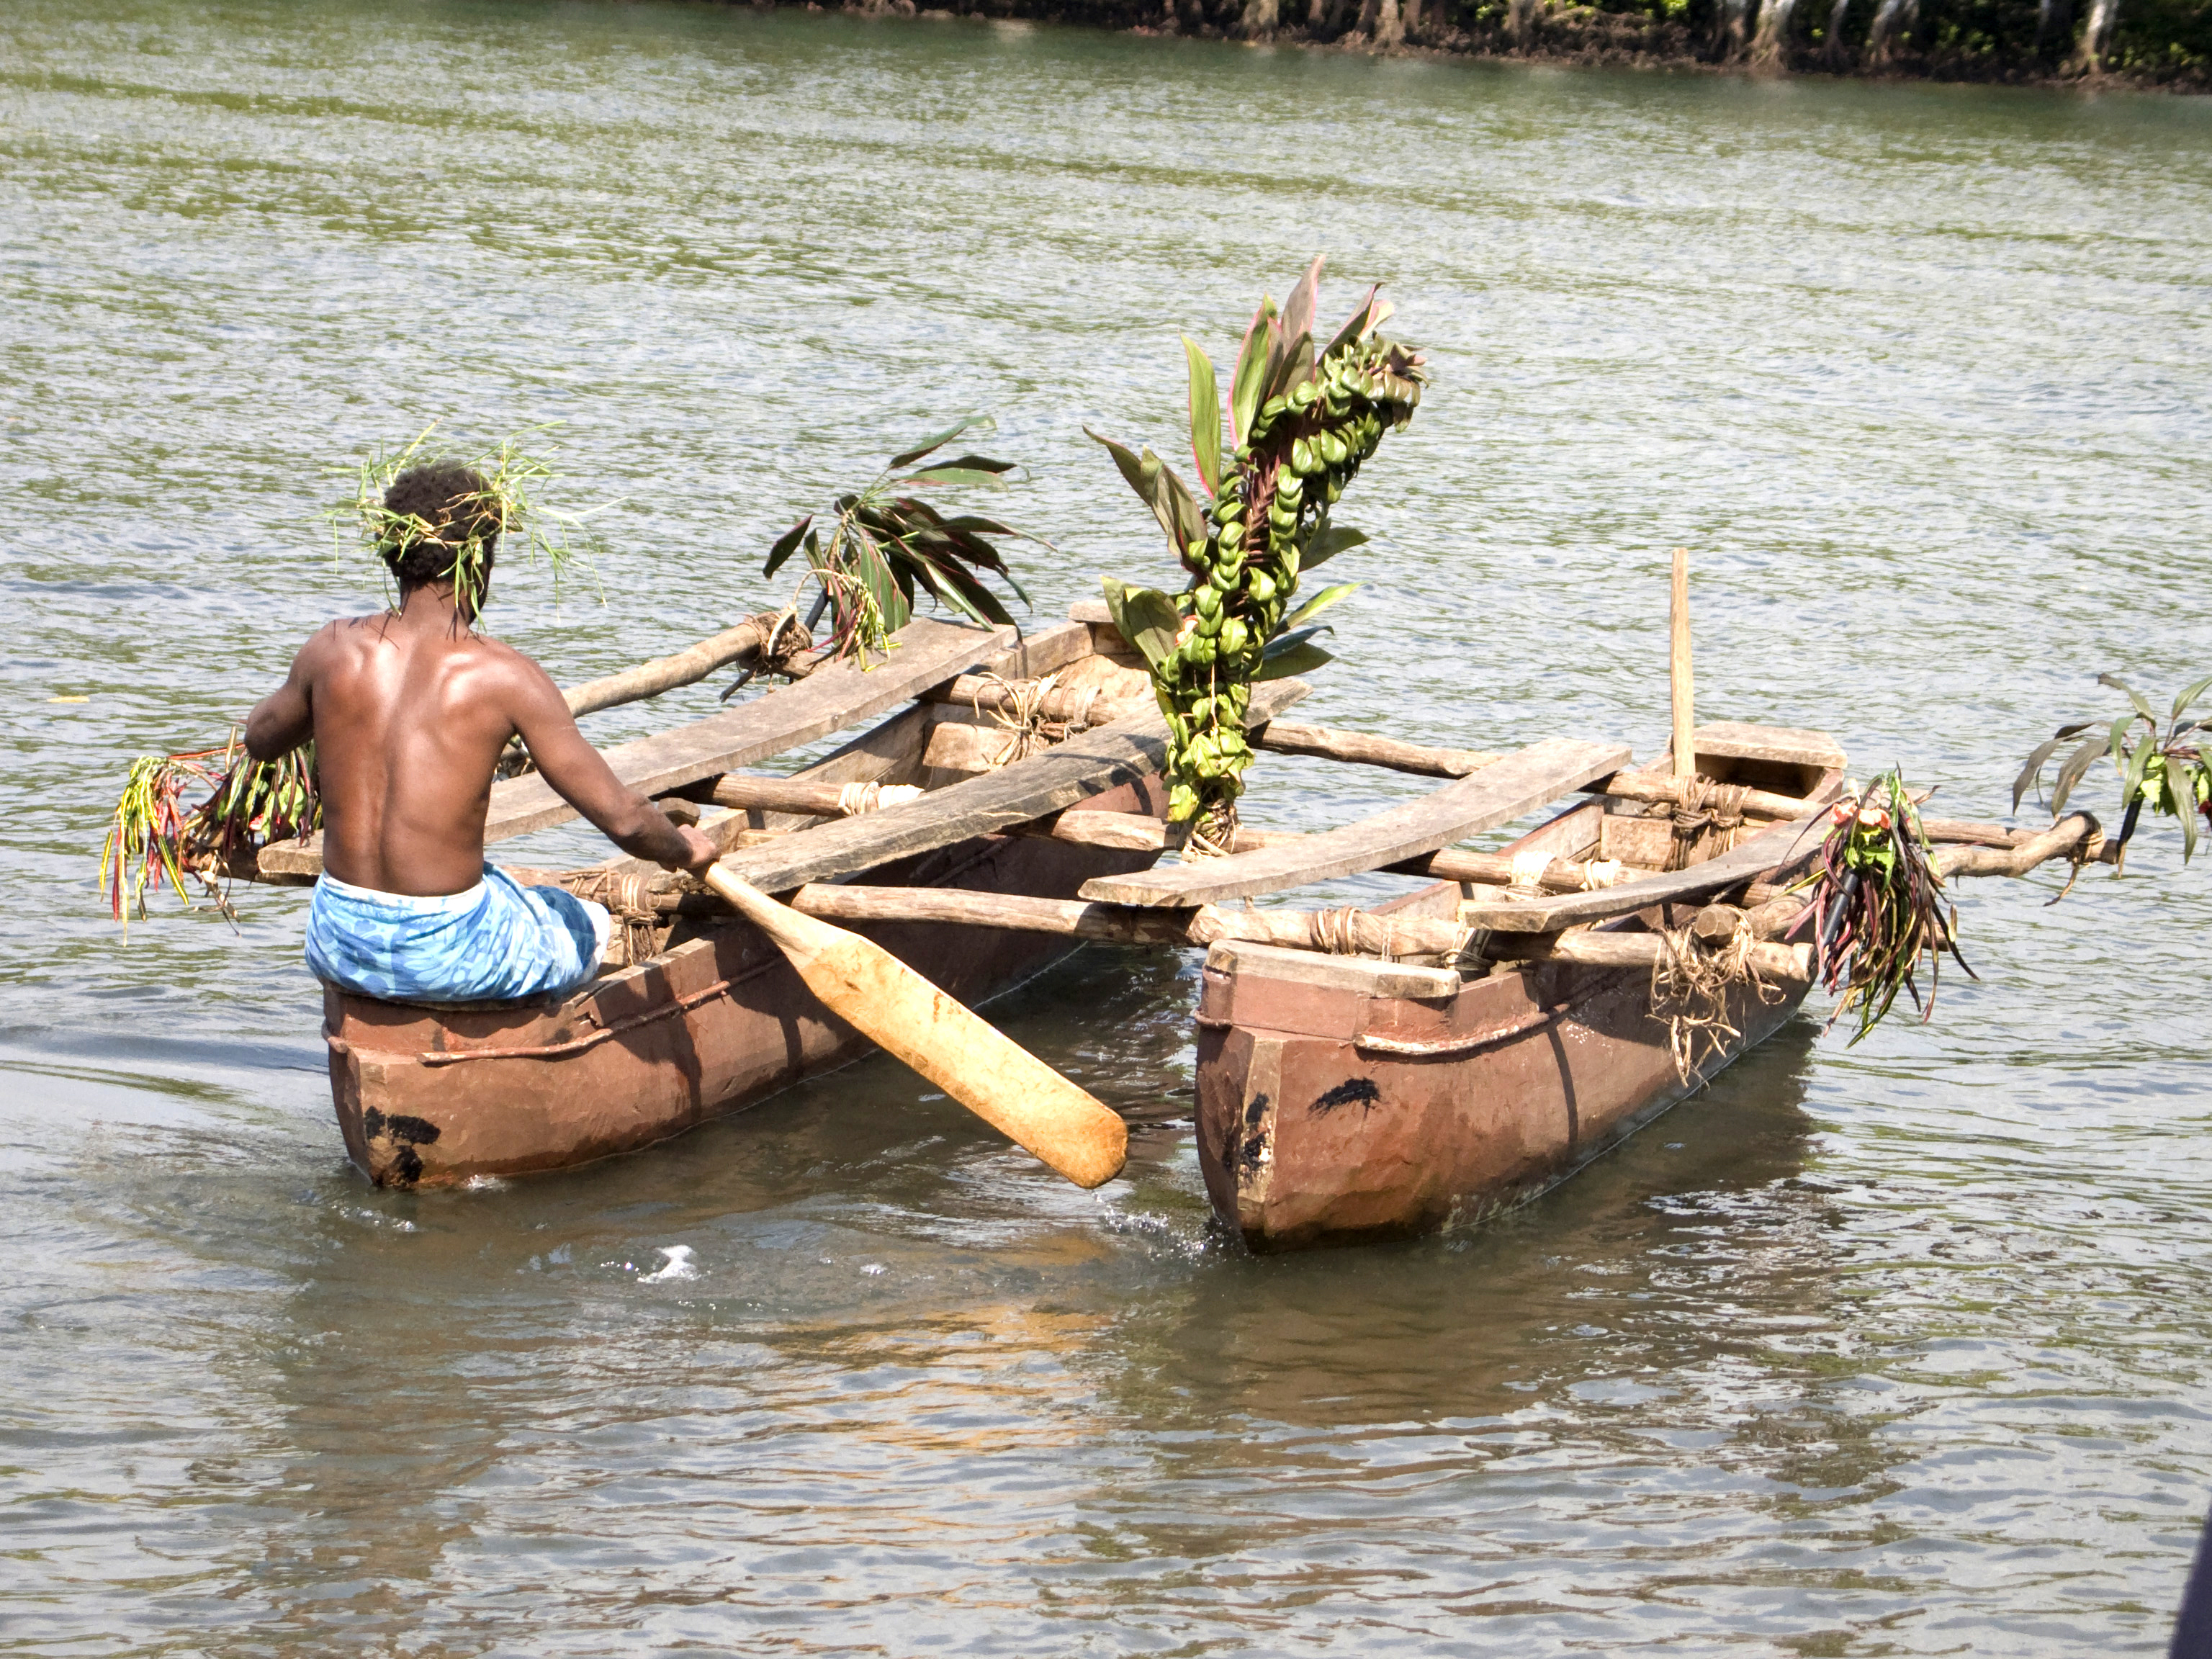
903 1014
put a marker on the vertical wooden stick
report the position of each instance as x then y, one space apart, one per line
1684 684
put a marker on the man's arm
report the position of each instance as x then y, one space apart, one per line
580 776
285 718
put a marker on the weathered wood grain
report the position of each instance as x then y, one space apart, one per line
1736 740
1364 749
1647 787
685 667
1086 765
1137 832
1498 794
1762 851
1299 930
826 700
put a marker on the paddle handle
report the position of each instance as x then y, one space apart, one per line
907 1016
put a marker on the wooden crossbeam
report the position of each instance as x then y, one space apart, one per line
1497 794
1546 915
1138 832
1300 930
991 803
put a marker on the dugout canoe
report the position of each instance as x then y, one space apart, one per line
1342 1100
716 1022
711 1018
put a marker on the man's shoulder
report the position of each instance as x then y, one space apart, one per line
503 662
499 652
340 631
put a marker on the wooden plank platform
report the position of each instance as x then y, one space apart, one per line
1550 914
830 699
1088 764
1497 794
1733 739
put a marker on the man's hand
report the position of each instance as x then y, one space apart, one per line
698 852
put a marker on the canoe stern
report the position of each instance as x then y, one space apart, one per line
1343 1101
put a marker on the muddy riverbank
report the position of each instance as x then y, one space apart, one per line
2163 46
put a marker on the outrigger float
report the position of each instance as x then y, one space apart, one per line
1362 1073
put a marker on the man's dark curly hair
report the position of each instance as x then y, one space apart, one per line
456 502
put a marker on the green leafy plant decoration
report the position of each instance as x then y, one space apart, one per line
2160 765
508 501
154 840
881 544
1302 420
1878 905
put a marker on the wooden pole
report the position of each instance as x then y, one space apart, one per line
650 679
1760 803
1138 833
1979 849
751 791
907 1016
1277 737
1365 934
1282 738
1683 683
986 693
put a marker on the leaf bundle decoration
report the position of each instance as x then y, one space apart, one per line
883 543
1302 422
1878 905
2160 765
505 506
154 840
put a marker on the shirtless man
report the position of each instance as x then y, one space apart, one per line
409 712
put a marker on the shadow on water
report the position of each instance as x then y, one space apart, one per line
675 1375
1464 1326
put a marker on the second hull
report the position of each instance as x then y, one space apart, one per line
1328 1116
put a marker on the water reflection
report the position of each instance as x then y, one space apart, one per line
1662 1256
858 1341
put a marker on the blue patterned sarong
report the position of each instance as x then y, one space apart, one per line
497 942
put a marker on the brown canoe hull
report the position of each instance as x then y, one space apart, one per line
429 1097
1330 1117
1344 1100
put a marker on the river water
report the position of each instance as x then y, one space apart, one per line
1894 1349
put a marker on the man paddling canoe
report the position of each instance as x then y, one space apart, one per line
409 711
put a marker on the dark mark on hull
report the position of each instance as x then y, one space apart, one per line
407 1131
1254 1151
406 1166
1358 1091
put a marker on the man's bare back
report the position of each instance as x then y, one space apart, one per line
409 712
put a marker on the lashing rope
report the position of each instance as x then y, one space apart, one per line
1020 715
628 900
1704 806
1690 986
855 798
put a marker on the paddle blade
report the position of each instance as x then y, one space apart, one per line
907 1016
